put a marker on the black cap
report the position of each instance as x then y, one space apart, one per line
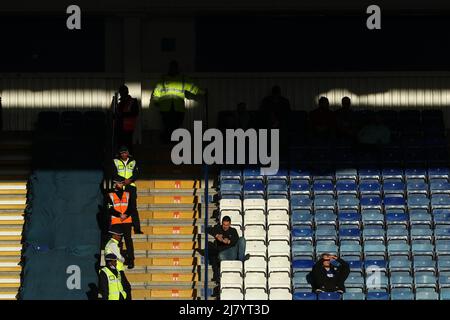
115 229
123 149
110 257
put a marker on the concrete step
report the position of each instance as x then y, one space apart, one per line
171 230
148 278
176 261
171 215
8 280
147 185
147 200
165 245
162 293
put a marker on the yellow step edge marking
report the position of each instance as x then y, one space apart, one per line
181 215
12 192
174 262
177 184
174 277
174 293
12 206
174 245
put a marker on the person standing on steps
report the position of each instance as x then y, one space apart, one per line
120 206
113 284
113 246
127 116
125 171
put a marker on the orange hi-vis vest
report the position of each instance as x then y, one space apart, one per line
120 205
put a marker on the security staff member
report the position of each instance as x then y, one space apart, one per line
113 284
125 170
120 207
168 96
113 246
127 115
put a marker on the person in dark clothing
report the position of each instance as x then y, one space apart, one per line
227 245
329 274
127 114
126 171
345 121
121 205
110 279
322 122
275 110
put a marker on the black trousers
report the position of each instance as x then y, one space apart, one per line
134 214
213 257
126 230
171 120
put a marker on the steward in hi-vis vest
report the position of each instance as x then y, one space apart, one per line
113 284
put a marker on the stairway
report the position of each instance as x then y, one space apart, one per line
167 266
15 160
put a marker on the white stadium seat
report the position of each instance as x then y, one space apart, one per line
276 232
280 294
231 280
256 294
231 294
255 280
255 264
255 233
279 280
278 204
278 217
231 266
279 248
256 248
279 264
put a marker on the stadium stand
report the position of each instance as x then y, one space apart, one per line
388 216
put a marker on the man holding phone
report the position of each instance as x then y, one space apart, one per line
329 274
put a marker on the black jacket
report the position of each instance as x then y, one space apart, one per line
116 176
103 285
231 234
320 280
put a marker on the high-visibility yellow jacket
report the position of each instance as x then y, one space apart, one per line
170 92
113 247
115 288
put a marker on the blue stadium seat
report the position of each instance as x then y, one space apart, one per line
302 249
426 294
441 216
300 279
442 232
301 202
415 173
371 217
300 187
326 232
370 187
420 231
254 187
326 246
323 187
439 200
370 202
444 279
401 278
378 264
329 296
420 216
349 217
392 173
253 174
349 233
397 232
302 265
374 250
231 188
425 278
394 202
445 294
304 296
397 218
323 173
439 187
442 247
277 187
416 186
281 175
324 202
346 174
354 296
393 187
299 174
424 263
443 263
303 233
346 187
301 217
439 173
229 174
355 265
374 232
354 279
418 201
421 248
398 249
369 174
377 295
400 263
348 202
402 294
350 249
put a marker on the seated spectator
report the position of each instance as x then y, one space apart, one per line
329 274
227 246
275 110
322 120
374 133
345 121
